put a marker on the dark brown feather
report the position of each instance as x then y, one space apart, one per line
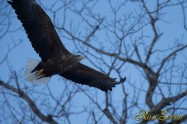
39 28
83 74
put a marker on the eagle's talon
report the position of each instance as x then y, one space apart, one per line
40 73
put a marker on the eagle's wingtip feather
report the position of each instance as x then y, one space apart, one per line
122 80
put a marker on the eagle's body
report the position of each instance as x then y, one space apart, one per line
56 59
58 64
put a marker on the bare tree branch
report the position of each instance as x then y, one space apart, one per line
32 105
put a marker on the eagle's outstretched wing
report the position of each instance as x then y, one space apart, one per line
39 28
83 74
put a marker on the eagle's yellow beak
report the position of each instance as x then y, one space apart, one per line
81 57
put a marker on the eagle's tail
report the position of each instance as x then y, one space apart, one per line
33 77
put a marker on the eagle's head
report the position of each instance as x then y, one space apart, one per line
79 57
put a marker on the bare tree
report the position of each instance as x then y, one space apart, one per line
144 40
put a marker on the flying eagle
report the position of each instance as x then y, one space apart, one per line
56 59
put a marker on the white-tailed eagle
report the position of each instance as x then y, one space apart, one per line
56 59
